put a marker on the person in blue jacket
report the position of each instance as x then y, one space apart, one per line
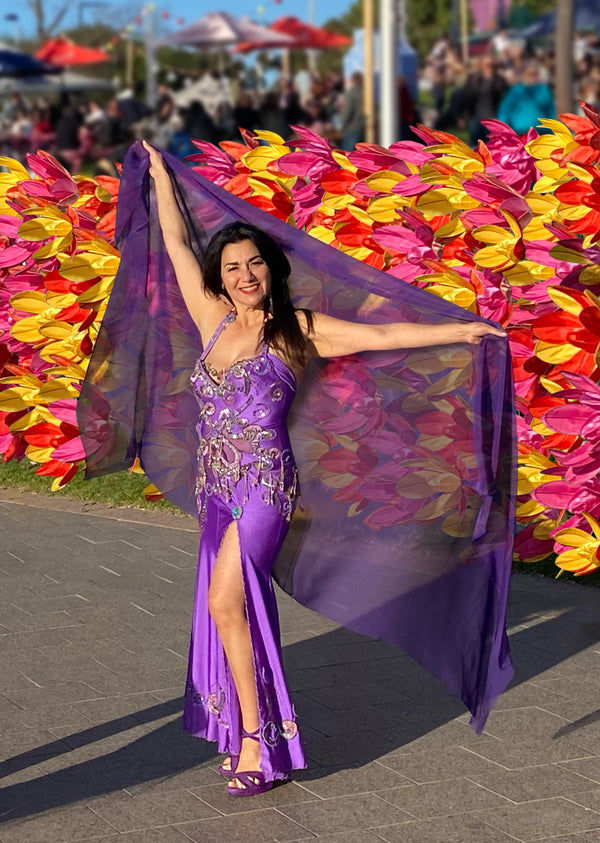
527 101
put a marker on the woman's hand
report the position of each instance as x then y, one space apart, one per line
474 331
157 165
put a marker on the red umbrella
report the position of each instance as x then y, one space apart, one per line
304 36
60 51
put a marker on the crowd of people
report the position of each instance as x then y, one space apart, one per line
78 129
509 81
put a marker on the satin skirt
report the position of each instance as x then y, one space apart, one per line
211 708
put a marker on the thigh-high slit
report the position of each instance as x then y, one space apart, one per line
211 707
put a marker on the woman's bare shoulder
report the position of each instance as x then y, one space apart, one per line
213 316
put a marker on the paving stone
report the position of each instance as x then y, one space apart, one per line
589 799
328 816
569 838
164 834
66 824
437 765
531 721
197 776
368 779
388 746
529 694
469 828
349 837
530 752
266 826
416 738
131 813
587 767
352 749
545 817
439 799
288 793
336 697
534 783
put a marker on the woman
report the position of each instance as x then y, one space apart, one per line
256 346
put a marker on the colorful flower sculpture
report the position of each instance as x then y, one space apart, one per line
509 230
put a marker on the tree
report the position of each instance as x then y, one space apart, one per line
41 10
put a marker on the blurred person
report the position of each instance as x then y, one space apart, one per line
198 123
500 43
303 84
42 134
580 50
527 101
513 63
165 104
481 96
68 141
271 116
14 104
407 111
132 108
589 89
290 104
114 135
21 124
440 64
94 117
245 115
352 123
316 118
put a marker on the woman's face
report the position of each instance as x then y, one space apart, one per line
245 274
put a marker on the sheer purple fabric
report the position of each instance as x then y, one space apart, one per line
405 458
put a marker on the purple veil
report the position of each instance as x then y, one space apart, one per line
406 458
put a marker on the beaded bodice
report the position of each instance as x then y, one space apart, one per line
244 442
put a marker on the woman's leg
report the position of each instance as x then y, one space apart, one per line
227 606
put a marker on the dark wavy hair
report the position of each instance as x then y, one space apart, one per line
282 332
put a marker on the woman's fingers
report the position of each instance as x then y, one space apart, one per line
156 160
477 330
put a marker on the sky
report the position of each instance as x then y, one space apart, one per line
263 11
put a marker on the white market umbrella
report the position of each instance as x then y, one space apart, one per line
220 29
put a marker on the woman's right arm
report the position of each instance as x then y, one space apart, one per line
203 307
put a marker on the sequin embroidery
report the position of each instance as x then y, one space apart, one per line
244 443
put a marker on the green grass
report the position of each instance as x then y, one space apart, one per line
122 489
547 568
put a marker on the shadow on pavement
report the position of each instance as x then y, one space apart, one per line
357 699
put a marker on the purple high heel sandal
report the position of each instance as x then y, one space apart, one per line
253 781
229 772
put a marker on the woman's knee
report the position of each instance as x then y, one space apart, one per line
225 609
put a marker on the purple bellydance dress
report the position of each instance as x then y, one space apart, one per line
246 474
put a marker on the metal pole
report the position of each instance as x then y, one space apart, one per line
150 56
388 103
129 53
464 31
369 68
311 54
564 56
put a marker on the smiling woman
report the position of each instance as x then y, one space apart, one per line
405 452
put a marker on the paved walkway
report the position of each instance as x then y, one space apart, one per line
94 619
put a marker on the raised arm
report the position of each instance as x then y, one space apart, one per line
334 337
203 307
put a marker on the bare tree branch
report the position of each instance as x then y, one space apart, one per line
39 9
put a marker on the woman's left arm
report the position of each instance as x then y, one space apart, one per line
334 337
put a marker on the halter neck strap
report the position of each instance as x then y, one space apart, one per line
229 317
